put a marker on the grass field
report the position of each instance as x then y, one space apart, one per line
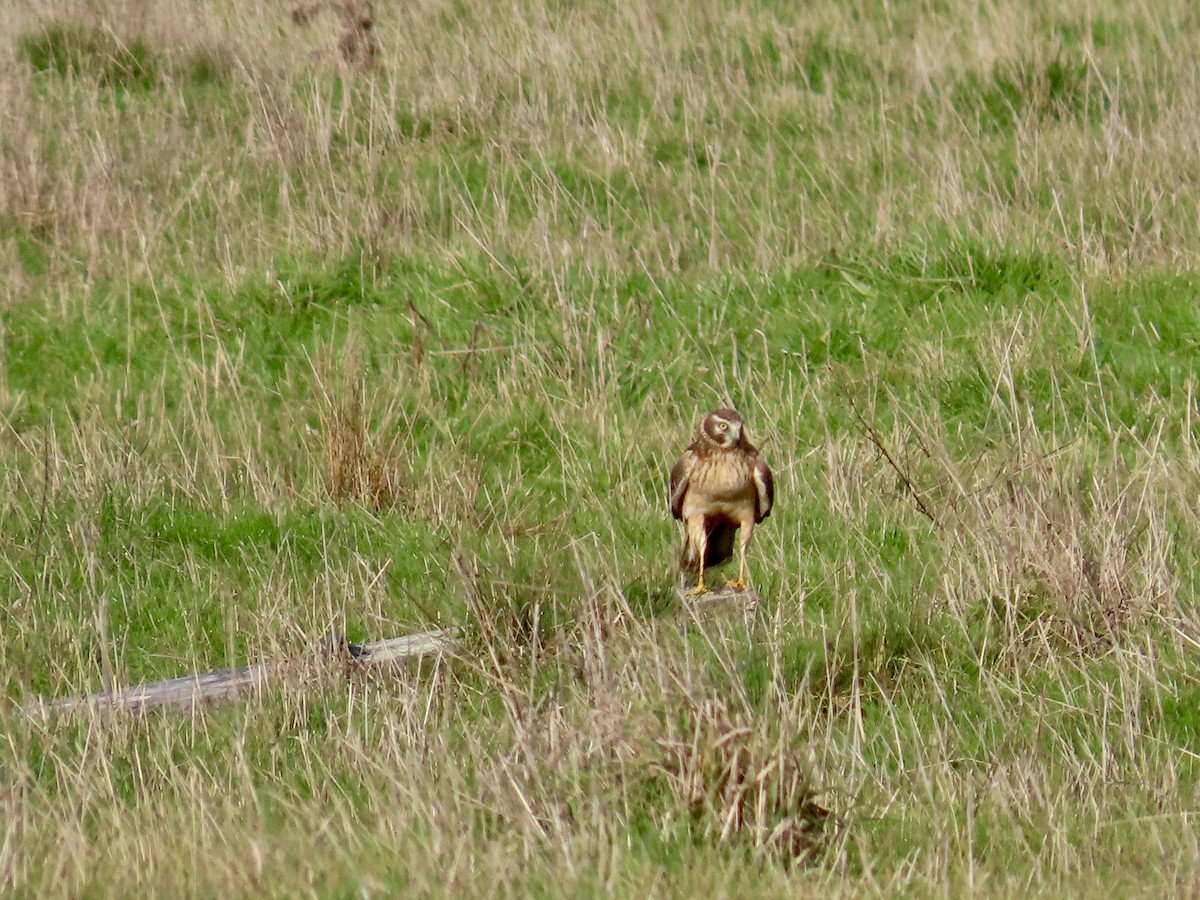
311 329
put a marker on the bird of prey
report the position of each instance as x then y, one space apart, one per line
719 485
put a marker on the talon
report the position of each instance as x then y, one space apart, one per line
739 585
698 591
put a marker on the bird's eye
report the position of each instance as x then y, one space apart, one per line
722 426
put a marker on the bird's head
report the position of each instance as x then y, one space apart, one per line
722 427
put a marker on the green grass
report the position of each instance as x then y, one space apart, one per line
291 349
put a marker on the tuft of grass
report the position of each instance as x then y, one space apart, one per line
71 51
79 52
1058 88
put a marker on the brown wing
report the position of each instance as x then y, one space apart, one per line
681 475
764 489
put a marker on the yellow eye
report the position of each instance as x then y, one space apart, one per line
722 426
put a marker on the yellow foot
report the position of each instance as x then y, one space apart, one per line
698 591
738 585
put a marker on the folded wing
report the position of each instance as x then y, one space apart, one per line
764 489
680 477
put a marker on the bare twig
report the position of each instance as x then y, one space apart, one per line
41 525
876 438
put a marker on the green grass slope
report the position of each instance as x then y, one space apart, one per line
294 345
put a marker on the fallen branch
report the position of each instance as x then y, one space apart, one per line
190 691
876 438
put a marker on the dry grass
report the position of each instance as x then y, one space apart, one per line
311 327
600 139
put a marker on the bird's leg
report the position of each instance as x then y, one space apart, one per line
699 538
747 531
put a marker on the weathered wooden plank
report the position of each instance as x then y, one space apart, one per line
409 646
692 607
189 691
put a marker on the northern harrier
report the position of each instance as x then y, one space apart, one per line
720 484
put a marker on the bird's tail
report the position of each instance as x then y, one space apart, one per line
717 551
